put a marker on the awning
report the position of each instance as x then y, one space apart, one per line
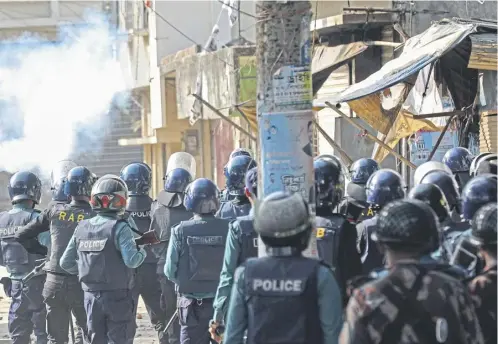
484 53
418 52
328 59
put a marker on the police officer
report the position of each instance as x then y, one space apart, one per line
137 177
167 211
284 297
194 260
62 292
103 252
354 206
459 159
412 303
336 237
478 192
27 311
225 195
383 186
242 243
483 286
237 168
57 179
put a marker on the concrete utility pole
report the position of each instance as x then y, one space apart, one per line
284 104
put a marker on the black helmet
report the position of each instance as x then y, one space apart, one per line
434 197
362 169
329 182
384 186
478 192
446 183
458 159
58 177
109 194
137 177
177 180
484 163
236 152
23 186
202 197
409 222
79 182
236 170
484 225
282 215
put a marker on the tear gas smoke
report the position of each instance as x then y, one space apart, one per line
55 97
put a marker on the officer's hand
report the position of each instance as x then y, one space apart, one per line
214 334
148 238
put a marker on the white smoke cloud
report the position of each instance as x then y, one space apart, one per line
53 94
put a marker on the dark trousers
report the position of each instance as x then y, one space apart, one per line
27 311
194 316
63 295
147 285
110 317
168 305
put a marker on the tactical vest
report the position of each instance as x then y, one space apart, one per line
248 239
328 240
15 257
63 222
230 210
371 258
201 261
100 264
163 218
352 209
282 294
139 209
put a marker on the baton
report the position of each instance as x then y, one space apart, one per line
170 322
71 326
34 272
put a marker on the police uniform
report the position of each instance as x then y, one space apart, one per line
62 292
352 209
193 262
163 217
27 312
234 208
146 279
336 243
411 305
371 258
241 244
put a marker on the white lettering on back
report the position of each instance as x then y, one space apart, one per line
277 285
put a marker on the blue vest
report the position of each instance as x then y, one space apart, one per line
15 257
371 258
282 294
248 239
230 210
138 207
100 264
203 249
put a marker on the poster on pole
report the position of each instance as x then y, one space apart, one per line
287 157
292 86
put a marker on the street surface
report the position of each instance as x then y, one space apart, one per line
145 332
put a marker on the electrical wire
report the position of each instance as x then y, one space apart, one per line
237 9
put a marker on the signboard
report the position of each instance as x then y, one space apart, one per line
422 145
287 158
292 86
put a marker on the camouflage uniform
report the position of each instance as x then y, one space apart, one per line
483 293
411 305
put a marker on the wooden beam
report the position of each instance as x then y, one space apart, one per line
370 136
440 114
334 144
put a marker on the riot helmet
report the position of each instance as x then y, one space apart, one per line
384 186
484 163
434 197
478 192
180 172
407 223
58 177
283 219
362 169
24 186
484 226
447 183
252 182
329 182
236 152
459 159
109 194
236 171
202 197
79 182
138 178
429 167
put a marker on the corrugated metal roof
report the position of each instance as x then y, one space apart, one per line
484 54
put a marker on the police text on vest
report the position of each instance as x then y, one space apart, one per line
277 285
